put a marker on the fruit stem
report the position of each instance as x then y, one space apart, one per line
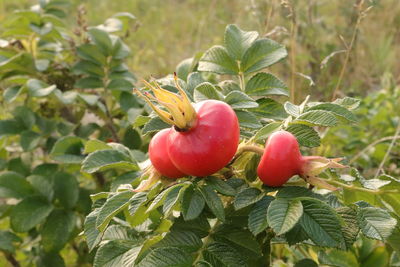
248 148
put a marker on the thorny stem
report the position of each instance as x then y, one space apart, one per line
387 138
389 150
360 16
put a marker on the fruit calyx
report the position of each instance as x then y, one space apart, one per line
180 113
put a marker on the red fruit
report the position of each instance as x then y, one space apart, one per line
209 144
159 157
282 160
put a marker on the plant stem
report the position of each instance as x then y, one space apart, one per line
11 259
293 29
249 148
389 150
206 241
266 248
349 48
241 80
387 138
361 189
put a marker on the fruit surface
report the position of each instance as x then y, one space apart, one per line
159 157
281 159
210 144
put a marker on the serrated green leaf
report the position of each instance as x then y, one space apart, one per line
57 229
296 235
376 223
11 93
107 159
68 150
92 234
192 203
264 84
239 100
348 102
306 263
160 198
292 109
246 197
101 39
267 130
261 54
29 212
113 253
221 186
185 240
205 91
29 140
120 85
213 202
44 185
248 119
88 68
337 110
173 198
92 53
216 59
184 68
305 135
350 228
238 41
14 185
283 214
321 223
91 82
338 258
66 189
154 124
220 254
258 216
269 109
7 240
112 207
94 145
166 257
317 118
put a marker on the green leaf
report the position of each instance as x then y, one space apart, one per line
261 54
92 234
248 119
317 118
193 80
29 140
10 127
267 130
120 85
238 41
11 93
94 145
239 100
154 124
66 189
115 252
50 260
213 202
220 254
38 88
283 214
350 228
166 257
91 82
25 115
88 68
112 207
296 235
184 68
107 159
258 216
338 258
337 110
68 150
192 203
216 59
57 229
292 109
43 185
205 91
173 198
92 53
270 109
29 212
221 186
14 185
263 84
7 239
348 102
376 223
246 197
185 240
321 223
305 135
101 39
306 263
159 200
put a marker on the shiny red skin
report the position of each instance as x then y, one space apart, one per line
159 157
281 159
210 144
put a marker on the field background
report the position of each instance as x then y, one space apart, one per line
168 31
